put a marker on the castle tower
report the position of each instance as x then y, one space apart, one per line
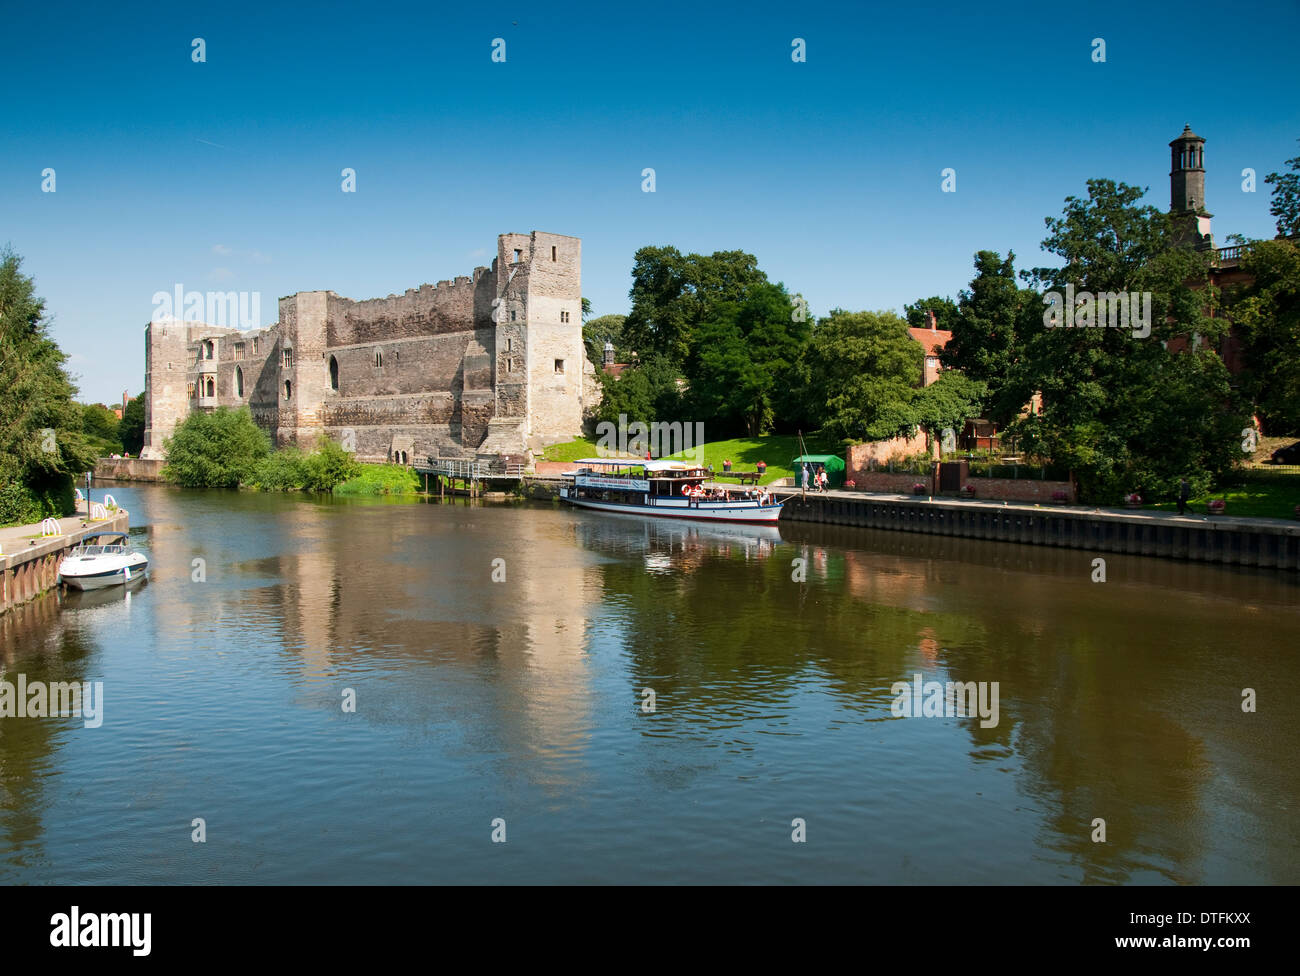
1187 188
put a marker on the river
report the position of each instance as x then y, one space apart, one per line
617 700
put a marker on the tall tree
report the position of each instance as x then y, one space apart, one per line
42 447
1285 205
130 431
1129 412
863 368
944 309
1267 314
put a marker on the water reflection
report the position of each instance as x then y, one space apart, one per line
499 657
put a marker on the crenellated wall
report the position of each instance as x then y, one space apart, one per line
491 362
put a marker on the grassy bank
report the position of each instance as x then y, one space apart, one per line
778 450
381 479
1254 495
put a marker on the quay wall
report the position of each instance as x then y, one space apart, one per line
30 567
128 469
1242 542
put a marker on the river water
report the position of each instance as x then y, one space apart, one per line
631 701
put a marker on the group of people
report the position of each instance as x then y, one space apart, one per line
701 494
820 480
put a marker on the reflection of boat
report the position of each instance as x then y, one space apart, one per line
665 489
95 565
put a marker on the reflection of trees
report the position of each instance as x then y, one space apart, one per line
34 642
1122 703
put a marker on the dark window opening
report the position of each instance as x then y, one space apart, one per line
334 373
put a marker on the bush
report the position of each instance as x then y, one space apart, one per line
282 470
328 467
24 505
222 449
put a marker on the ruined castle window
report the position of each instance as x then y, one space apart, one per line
379 358
209 349
254 345
564 316
190 389
510 344
518 254
552 252
512 315
287 357
559 365
210 388
510 365
239 350
334 373
239 382
288 389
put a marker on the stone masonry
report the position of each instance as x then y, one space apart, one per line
490 364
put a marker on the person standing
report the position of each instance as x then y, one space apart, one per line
1184 493
805 476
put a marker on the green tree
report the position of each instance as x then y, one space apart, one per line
985 342
863 368
672 294
1267 315
42 447
100 425
130 430
647 391
949 401
221 449
1129 413
596 332
1285 205
945 313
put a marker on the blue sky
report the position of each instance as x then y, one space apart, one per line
226 175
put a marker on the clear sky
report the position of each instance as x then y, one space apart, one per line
225 175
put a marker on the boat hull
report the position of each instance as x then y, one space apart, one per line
101 579
703 512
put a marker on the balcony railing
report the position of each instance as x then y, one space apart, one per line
1232 253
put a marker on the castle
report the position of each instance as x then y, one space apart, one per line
492 364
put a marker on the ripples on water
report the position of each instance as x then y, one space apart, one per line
523 700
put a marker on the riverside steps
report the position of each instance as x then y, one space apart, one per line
1263 542
29 563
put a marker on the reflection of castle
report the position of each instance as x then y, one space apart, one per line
491 364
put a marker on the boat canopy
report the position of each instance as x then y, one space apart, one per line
105 535
650 466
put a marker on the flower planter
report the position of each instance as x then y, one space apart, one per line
968 491
1059 496
1217 506
850 485
1133 501
918 489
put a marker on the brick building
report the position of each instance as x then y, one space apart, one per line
489 364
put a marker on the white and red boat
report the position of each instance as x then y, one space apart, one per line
665 489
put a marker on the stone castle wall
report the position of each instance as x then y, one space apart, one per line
492 362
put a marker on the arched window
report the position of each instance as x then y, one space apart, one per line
209 349
379 358
334 373
210 389
288 389
239 382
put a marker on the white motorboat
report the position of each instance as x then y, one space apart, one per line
103 559
665 489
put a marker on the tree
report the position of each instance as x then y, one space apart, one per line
130 431
944 309
985 342
596 332
1129 413
644 393
672 294
100 425
1267 314
42 447
586 309
1285 205
215 450
949 401
743 368
862 372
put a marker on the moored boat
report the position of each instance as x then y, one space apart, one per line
665 489
94 564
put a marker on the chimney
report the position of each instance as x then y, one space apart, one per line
934 323
125 399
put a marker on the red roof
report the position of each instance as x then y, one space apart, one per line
933 340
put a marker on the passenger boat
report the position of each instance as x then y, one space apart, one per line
665 489
94 565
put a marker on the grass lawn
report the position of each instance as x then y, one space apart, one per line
1274 497
745 452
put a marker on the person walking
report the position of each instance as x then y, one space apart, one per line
1184 493
805 476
